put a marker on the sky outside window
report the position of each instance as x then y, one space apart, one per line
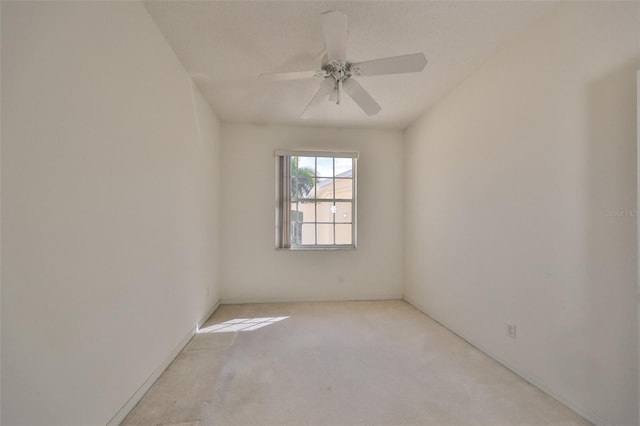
325 165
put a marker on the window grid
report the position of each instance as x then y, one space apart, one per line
299 198
333 202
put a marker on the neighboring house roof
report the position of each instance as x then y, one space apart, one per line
325 185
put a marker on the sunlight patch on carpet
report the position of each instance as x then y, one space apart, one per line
241 324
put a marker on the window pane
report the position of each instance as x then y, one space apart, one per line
325 189
296 229
343 166
343 234
296 216
335 189
308 211
302 183
325 211
344 189
294 188
308 231
343 213
325 234
325 167
307 163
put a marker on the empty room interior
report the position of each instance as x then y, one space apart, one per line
310 212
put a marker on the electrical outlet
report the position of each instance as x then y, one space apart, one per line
511 330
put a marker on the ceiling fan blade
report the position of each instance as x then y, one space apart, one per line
334 29
297 75
361 96
414 62
323 92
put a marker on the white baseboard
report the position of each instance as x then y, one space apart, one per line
137 396
242 301
587 414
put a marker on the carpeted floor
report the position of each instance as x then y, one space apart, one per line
339 363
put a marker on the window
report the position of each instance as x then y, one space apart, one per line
316 200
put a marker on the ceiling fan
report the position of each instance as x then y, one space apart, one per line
337 73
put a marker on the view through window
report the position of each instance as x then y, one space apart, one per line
316 200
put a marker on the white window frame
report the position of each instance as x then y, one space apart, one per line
283 199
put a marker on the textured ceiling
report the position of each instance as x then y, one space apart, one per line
226 45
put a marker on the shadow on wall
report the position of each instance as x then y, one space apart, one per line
610 243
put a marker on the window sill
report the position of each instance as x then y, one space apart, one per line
315 248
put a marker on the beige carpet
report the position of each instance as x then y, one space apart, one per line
339 363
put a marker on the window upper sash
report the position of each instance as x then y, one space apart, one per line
289 153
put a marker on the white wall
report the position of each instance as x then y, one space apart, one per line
109 208
517 179
253 270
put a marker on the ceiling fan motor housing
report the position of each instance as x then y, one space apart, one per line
340 70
